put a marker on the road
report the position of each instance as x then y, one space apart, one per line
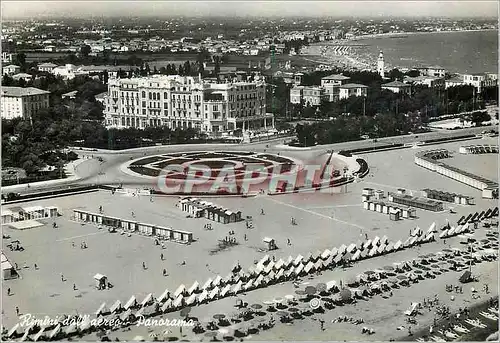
92 171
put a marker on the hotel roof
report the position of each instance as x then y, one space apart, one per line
19 91
353 85
51 65
336 77
395 84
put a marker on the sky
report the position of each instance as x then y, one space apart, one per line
87 8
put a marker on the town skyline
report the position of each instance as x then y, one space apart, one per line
370 9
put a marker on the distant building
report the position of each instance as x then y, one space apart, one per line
46 67
331 85
480 81
307 95
101 97
68 71
454 82
334 80
296 95
436 71
70 95
381 65
11 69
352 89
187 102
397 87
22 76
18 102
429 81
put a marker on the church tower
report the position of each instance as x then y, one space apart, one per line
380 64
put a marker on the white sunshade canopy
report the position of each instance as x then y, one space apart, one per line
179 291
178 301
203 295
130 302
194 287
208 284
147 299
164 295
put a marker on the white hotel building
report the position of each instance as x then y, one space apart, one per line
186 102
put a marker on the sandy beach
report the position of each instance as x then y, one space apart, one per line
325 221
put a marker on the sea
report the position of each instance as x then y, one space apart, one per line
456 51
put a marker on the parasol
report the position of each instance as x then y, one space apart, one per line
310 290
282 313
321 287
219 316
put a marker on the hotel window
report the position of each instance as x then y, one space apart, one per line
165 105
143 94
165 95
144 104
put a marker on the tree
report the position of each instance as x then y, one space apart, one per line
395 74
187 68
21 60
478 117
85 50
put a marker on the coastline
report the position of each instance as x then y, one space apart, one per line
355 58
384 35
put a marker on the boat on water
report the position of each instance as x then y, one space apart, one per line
493 310
489 316
460 329
448 334
476 323
437 339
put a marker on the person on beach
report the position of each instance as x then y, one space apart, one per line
161 257
8 291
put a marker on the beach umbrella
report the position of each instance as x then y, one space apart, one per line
390 268
256 306
310 290
278 300
211 334
289 297
282 313
300 292
293 309
352 281
321 287
219 316
401 277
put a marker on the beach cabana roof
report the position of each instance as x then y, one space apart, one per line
194 287
147 299
179 290
325 254
298 260
165 295
203 296
192 299
116 306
